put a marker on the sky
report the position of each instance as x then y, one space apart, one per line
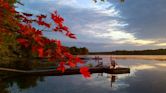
109 25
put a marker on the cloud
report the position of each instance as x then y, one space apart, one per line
145 18
107 25
161 44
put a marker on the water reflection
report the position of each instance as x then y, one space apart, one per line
3 87
161 64
114 82
147 76
143 67
21 82
112 78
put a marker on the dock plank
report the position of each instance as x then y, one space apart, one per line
70 71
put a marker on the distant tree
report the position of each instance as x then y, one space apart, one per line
73 50
84 51
78 51
135 52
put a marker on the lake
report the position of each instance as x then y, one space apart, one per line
148 75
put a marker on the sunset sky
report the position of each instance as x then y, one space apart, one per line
107 26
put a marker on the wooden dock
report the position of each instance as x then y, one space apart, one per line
70 71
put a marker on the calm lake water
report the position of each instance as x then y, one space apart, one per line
147 76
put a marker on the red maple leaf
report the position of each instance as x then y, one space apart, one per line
40 17
27 14
42 23
34 49
68 55
56 18
23 42
85 72
72 36
61 67
40 52
77 59
71 64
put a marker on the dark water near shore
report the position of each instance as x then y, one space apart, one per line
147 76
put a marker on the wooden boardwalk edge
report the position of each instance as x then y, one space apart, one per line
71 71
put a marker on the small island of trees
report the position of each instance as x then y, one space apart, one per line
78 51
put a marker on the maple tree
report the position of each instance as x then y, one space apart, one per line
32 38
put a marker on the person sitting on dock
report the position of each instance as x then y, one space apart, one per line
113 63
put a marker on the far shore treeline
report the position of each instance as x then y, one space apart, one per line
78 51
132 52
